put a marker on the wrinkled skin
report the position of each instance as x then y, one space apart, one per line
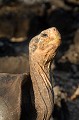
42 50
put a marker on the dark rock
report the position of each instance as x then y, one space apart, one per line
73 3
72 54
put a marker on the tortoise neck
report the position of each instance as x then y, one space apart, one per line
41 72
42 88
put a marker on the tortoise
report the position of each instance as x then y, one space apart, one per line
37 102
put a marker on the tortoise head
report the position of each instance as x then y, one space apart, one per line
44 45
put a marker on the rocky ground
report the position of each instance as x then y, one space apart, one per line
19 22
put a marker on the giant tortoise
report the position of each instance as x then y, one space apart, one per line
29 96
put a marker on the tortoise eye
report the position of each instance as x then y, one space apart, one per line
44 35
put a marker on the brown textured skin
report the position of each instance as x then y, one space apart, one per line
42 50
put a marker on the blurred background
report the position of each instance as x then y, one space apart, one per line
20 20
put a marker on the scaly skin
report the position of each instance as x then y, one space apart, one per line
42 50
